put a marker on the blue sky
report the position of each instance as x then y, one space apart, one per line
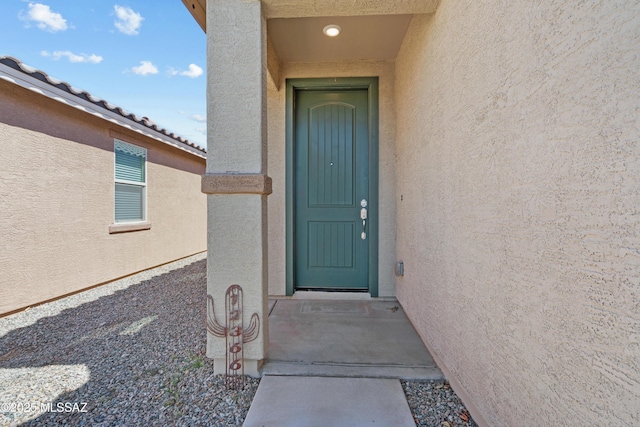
148 57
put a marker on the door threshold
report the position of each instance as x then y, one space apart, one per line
331 295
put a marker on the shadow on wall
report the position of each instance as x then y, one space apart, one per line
42 115
123 354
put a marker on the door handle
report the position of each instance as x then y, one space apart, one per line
363 216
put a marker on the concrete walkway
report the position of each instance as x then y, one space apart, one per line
338 363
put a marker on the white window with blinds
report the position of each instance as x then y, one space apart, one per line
130 182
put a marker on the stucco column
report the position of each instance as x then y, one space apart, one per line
236 180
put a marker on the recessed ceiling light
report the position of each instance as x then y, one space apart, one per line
332 30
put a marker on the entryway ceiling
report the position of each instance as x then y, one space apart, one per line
371 29
362 37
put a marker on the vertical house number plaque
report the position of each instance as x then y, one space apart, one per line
234 333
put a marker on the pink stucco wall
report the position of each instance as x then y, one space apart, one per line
519 205
57 197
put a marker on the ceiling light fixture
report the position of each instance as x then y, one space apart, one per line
332 30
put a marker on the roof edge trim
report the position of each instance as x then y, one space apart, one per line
27 80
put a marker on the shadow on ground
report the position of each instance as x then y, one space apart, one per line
140 351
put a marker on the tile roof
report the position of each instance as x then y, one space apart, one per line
83 95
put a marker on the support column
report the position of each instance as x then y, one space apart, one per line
236 181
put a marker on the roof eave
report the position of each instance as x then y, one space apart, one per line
197 9
34 84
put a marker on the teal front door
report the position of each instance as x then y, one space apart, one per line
331 190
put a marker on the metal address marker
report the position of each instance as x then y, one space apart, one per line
234 333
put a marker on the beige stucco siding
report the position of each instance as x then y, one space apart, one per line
57 201
519 205
277 167
305 8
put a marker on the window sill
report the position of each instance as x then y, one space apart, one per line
128 227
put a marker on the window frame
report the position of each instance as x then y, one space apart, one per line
137 224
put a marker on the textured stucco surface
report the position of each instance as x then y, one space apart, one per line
236 87
519 205
237 144
57 196
387 173
236 256
305 8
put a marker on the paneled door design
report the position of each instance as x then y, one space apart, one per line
331 189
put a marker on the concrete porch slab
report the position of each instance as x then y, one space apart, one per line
326 402
352 338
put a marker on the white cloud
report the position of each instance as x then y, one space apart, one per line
145 67
45 19
194 71
203 131
72 57
128 21
199 118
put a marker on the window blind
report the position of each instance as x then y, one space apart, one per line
130 168
129 203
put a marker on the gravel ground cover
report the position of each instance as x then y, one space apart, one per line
435 404
131 353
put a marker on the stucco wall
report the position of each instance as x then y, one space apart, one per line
57 196
519 205
387 174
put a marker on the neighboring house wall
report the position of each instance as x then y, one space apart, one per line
519 225
57 201
387 173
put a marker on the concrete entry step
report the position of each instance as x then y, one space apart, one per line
353 338
351 371
328 402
